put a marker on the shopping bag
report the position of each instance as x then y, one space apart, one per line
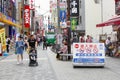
28 50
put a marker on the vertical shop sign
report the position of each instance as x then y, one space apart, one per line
32 4
63 18
2 39
74 8
74 23
26 16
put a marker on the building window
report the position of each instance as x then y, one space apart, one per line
97 1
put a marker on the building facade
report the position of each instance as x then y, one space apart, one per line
93 12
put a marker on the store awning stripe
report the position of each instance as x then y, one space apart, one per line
113 21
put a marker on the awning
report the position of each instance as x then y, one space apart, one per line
10 23
113 21
4 20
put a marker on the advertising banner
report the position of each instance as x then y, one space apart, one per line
63 18
88 53
74 23
74 8
2 39
26 16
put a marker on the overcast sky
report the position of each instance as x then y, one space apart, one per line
44 6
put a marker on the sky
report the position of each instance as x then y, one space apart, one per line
44 6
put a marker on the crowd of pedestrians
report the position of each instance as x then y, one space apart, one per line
23 43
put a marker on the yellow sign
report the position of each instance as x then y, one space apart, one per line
2 39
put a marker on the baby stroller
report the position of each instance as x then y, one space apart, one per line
33 57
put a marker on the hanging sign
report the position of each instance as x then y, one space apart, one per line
26 16
74 23
74 8
2 39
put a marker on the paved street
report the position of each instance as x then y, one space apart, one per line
65 70
9 70
51 69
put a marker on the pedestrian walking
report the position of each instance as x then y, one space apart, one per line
44 43
32 42
19 47
32 46
7 44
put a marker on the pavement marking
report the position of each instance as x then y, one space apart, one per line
12 60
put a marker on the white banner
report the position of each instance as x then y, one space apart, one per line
89 53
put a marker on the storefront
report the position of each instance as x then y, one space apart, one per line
115 22
7 28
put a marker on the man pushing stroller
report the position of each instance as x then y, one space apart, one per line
32 46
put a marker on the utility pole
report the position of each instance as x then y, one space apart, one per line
68 27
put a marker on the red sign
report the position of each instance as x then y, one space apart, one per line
26 16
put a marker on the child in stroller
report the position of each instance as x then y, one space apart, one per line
33 57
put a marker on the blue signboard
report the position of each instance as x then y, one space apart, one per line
62 15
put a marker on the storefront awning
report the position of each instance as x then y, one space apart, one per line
4 20
11 23
113 21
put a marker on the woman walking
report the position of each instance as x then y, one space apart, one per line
19 50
